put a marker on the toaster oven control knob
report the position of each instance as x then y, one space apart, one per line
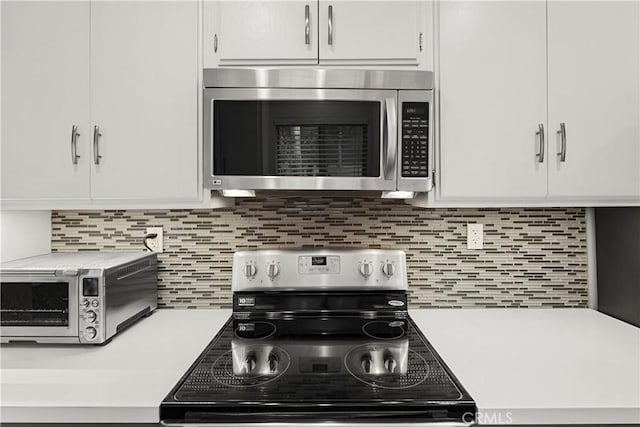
388 269
250 270
90 332
85 303
366 268
91 316
273 270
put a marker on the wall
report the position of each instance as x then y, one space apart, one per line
531 258
24 233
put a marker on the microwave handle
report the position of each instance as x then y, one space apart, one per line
389 142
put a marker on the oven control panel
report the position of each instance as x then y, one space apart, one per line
319 269
415 139
90 319
319 264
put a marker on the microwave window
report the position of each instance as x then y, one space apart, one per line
34 304
297 138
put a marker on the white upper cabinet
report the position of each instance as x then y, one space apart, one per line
45 93
492 99
339 32
508 69
144 88
594 75
124 74
252 32
371 31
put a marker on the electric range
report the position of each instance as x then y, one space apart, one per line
319 336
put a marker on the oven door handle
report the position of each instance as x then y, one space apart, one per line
389 139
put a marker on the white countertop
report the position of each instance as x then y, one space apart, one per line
123 381
540 366
523 366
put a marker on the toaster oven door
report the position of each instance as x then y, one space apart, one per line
39 307
300 139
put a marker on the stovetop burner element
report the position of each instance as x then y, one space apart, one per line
250 365
385 330
254 330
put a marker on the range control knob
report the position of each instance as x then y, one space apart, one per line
91 316
366 268
85 303
90 332
250 270
388 269
273 270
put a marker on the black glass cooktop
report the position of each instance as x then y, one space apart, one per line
294 368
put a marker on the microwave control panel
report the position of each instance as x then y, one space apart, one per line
415 139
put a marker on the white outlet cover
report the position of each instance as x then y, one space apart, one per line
475 239
155 244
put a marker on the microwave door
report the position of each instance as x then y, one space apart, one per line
300 139
37 306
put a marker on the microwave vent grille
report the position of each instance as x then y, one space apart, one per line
322 150
133 268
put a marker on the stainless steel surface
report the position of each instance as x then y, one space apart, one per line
563 141
126 289
215 43
319 78
307 28
330 38
74 144
342 270
540 134
96 144
390 141
215 182
421 184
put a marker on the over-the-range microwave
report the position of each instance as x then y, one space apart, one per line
318 129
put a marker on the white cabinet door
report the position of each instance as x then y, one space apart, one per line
594 75
260 32
144 98
492 99
380 32
45 91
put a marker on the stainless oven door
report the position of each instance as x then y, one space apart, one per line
300 139
39 306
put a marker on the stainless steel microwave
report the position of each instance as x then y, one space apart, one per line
318 129
75 297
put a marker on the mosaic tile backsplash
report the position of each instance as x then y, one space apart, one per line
531 257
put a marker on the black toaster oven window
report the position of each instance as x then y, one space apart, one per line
34 304
297 138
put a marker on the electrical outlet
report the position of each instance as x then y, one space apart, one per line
474 236
155 244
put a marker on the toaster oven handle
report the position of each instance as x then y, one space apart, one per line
389 142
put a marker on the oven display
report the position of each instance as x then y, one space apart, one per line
318 260
329 264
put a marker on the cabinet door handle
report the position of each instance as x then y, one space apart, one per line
420 42
96 145
330 25
74 144
563 142
540 133
215 43
307 32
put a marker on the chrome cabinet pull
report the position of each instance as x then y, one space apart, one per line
420 42
215 43
330 25
307 38
540 133
96 140
390 138
74 144
563 140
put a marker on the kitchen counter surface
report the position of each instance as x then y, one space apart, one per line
522 366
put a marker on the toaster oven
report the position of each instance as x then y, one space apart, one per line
75 298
